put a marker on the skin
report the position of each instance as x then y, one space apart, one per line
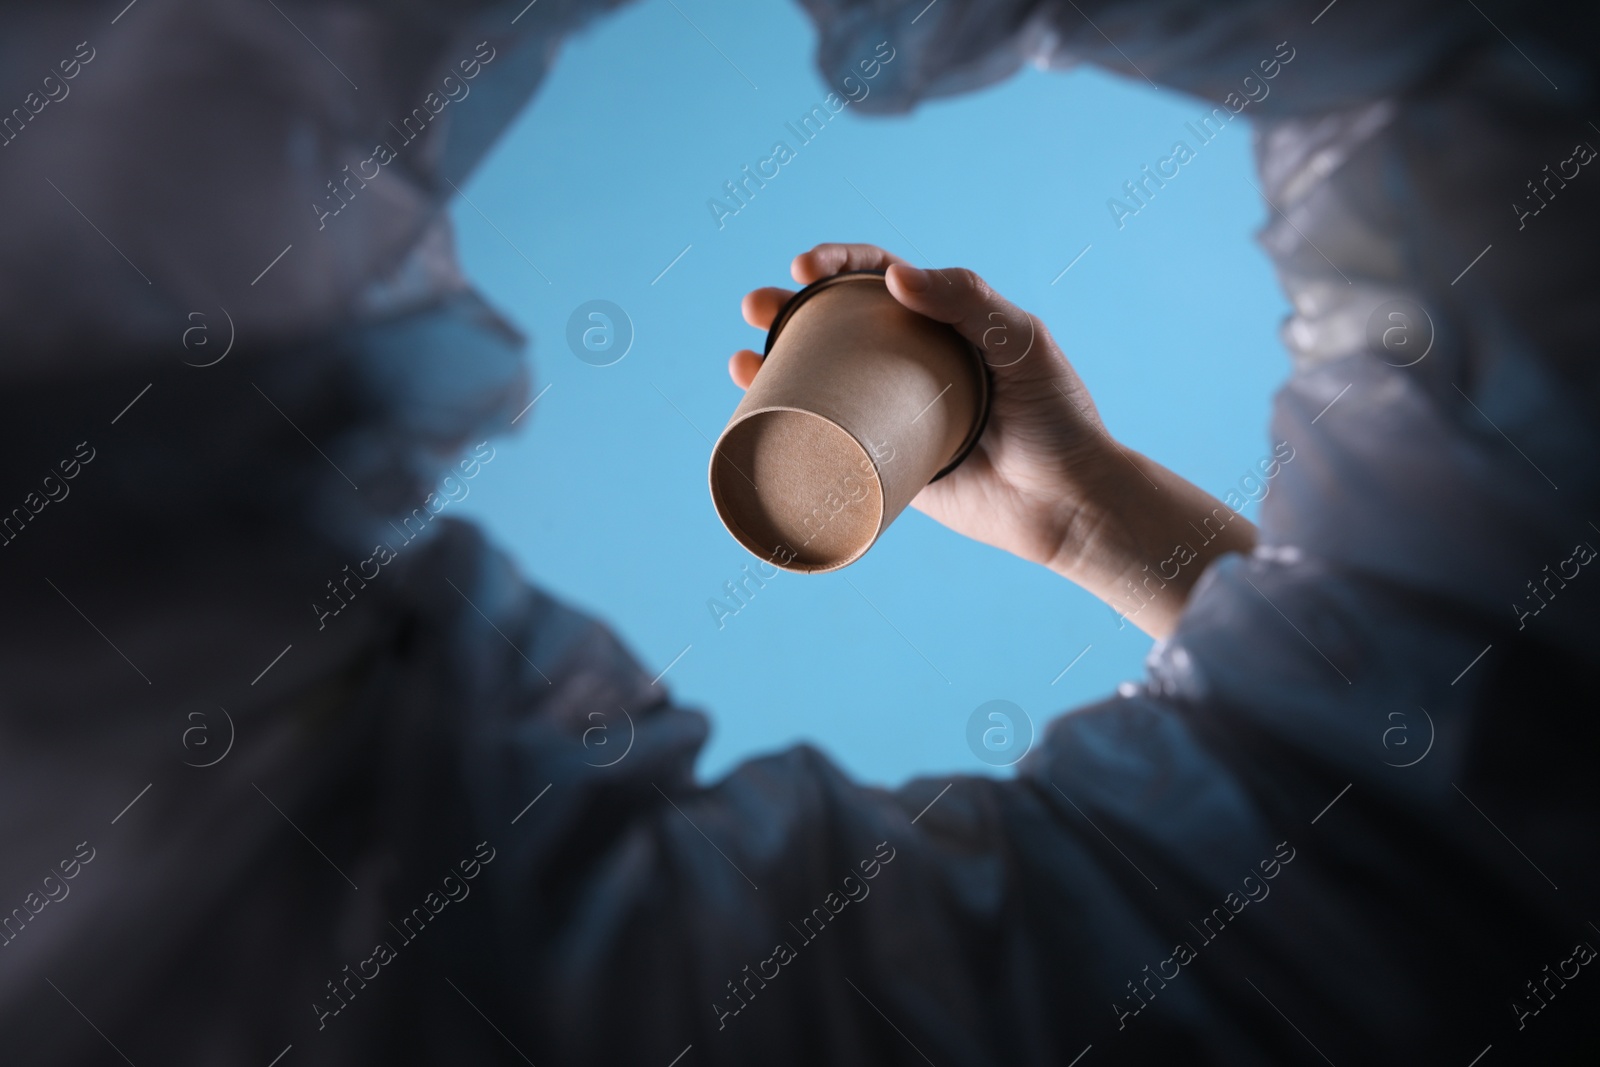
1046 481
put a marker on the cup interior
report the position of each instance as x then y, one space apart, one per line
796 489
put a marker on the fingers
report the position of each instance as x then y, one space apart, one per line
829 259
761 306
742 367
1003 332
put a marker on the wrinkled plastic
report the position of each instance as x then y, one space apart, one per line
628 913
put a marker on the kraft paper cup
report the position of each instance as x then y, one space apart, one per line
860 403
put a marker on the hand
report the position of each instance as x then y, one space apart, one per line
1046 481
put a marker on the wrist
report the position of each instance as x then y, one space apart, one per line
1142 541
1096 539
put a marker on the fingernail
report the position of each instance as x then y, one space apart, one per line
912 278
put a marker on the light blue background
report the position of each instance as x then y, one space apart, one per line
1172 322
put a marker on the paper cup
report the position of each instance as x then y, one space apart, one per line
859 404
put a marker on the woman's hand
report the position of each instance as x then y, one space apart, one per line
1046 481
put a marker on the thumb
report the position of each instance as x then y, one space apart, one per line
1004 333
